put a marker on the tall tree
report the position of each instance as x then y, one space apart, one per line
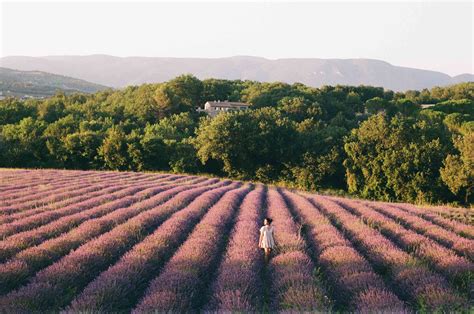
397 159
114 149
255 143
458 169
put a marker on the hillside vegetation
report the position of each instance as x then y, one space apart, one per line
41 84
364 140
129 242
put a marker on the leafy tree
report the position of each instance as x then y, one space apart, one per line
369 92
135 150
114 150
154 151
183 157
167 101
316 170
397 158
406 107
176 127
165 142
52 109
299 108
266 144
319 146
353 100
463 106
377 104
458 169
214 89
23 144
81 150
181 94
141 104
13 110
453 92
269 94
55 134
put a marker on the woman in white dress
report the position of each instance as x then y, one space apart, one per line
266 241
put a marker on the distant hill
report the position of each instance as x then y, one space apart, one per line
463 78
41 84
119 72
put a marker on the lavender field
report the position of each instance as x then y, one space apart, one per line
77 241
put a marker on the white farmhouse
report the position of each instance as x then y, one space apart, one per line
212 108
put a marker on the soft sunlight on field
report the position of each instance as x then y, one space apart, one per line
122 241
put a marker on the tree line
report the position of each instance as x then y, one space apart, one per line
364 140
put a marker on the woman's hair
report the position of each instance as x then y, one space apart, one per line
268 219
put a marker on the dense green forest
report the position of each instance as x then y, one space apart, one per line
364 140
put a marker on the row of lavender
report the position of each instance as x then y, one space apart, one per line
28 261
37 294
28 184
96 244
152 245
54 194
410 277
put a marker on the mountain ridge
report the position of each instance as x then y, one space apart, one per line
122 71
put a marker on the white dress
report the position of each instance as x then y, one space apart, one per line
267 237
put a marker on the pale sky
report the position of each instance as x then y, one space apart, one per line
428 35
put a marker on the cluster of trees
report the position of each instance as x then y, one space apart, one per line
368 141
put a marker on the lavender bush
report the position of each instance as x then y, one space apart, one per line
293 286
428 290
355 284
119 288
238 286
180 284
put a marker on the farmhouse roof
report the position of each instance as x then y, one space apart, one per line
227 104
426 105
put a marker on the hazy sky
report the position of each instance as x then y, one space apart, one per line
428 35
